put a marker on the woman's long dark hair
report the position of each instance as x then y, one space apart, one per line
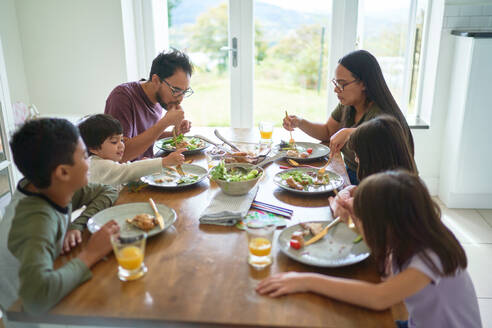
400 218
381 145
364 67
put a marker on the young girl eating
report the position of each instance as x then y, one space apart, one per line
402 226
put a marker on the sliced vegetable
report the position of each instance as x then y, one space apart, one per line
295 244
309 150
357 239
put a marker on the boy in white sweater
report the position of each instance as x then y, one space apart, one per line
103 137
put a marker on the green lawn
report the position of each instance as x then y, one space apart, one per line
209 105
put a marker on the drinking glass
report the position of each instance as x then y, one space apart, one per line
214 156
260 239
266 131
129 251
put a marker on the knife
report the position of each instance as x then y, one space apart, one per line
323 232
226 141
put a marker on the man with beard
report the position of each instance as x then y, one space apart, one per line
138 105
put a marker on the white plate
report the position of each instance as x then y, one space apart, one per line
167 174
319 151
336 181
159 145
336 249
120 213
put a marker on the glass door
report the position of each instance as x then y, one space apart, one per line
200 28
8 175
291 59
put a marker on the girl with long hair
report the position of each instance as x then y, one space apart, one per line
402 226
379 145
363 95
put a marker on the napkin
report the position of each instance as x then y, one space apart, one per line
227 210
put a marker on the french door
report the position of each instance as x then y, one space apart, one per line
8 174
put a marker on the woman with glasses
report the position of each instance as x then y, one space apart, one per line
363 95
138 106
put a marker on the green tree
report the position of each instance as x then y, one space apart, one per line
210 33
171 4
389 42
301 50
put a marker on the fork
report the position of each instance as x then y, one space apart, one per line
322 170
291 141
179 169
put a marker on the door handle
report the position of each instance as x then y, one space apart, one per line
233 50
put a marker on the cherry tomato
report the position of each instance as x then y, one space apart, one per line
295 244
309 150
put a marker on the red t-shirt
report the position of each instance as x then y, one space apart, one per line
129 104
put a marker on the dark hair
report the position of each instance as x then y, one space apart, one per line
166 64
364 67
400 218
380 144
41 145
95 129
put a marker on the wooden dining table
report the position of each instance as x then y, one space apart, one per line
198 275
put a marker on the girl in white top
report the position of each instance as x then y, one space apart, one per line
421 259
103 136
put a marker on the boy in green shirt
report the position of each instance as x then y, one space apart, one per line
52 157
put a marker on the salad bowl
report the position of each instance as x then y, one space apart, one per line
236 178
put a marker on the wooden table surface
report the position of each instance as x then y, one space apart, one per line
199 275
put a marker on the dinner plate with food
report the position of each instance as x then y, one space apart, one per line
336 247
170 178
135 218
303 151
305 180
192 144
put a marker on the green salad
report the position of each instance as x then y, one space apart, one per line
305 179
190 143
236 173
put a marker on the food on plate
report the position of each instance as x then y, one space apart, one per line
232 174
143 221
304 180
294 184
357 239
313 227
171 176
297 154
309 228
240 157
297 240
190 143
186 179
294 150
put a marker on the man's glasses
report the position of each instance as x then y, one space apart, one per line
341 86
176 92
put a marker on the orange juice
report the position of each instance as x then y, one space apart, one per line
260 246
266 134
130 257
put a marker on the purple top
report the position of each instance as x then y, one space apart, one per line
129 104
446 302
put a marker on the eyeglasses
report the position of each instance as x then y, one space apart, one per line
176 92
341 86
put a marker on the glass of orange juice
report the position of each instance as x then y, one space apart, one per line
266 132
129 251
260 239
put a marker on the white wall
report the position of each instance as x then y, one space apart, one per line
12 48
73 53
